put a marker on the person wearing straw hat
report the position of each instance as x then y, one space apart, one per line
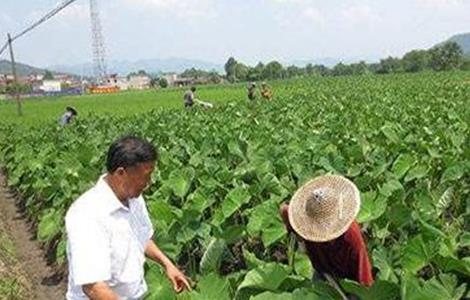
322 215
69 114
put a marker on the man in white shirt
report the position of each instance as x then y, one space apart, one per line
109 232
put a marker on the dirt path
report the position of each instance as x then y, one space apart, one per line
42 281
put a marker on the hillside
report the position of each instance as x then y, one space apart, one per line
21 69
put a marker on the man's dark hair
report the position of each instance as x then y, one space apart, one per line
193 88
129 151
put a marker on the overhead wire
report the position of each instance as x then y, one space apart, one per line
46 17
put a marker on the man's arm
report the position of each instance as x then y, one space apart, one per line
99 291
178 279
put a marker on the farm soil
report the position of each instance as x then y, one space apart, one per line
25 261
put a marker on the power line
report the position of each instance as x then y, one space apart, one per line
46 17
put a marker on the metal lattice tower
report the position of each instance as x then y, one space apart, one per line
99 51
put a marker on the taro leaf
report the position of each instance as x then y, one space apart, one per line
212 287
234 148
230 234
232 202
412 290
445 287
49 225
390 133
198 201
449 264
382 260
161 213
465 240
158 285
382 290
417 172
310 294
212 257
61 252
251 260
399 215
302 265
272 296
372 207
390 187
196 159
264 220
453 173
266 277
190 230
180 181
417 253
444 201
402 164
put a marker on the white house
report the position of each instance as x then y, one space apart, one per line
139 82
51 86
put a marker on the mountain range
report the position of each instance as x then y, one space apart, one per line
178 65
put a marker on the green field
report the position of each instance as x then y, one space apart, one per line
44 110
222 174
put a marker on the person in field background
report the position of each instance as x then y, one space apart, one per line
266 91
68 116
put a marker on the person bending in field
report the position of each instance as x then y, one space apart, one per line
266 92
109 232
322 215
68 116
189 97
252 91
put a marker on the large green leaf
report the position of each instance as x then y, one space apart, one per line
266 277
211 287
372 207
49 225
180 181
382 290
212 257
232 202
417 253
402 164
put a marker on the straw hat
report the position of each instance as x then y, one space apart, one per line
324 208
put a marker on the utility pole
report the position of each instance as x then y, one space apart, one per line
15 77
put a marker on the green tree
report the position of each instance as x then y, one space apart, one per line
447 56
341 69
48 75
294 71
273 70
389 65
163 83
230 69
415 61
256 73
241 71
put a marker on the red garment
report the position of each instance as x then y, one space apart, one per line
344 257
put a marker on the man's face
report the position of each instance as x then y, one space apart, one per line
137 179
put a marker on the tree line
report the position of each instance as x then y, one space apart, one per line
447 56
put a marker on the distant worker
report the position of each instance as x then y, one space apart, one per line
252 91
266 92
189 97
68 116
190 100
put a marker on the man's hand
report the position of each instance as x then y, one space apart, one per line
178 279
99 291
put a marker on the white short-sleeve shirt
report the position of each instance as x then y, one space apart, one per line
106 242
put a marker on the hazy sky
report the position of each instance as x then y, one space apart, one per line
250 30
